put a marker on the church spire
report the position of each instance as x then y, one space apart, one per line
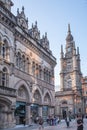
69 31
69 37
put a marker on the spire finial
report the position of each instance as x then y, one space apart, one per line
17 11
45 34
23 8
61 48
78 50
69 31
36 23
61 51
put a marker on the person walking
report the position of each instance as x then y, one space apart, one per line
79 122
67 121
40 121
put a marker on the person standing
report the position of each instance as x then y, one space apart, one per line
79 122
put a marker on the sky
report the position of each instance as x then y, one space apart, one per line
53 17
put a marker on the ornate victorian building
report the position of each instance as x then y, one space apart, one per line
84 92
26 69
69 98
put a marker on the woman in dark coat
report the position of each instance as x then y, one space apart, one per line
79 122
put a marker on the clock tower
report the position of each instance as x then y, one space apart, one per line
69 98
70 74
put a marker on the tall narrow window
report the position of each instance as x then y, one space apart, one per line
4 77
40 72
27 65
44 74
33 68
5 50
23 63
37 71
18 60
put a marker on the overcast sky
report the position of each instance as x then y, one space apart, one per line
53 16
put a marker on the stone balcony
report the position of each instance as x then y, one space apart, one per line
7 91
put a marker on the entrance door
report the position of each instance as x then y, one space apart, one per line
20 112
45 112
34 112
64 112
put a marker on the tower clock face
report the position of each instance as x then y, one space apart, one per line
64 64
69 49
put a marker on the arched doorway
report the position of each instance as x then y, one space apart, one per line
22 98
64 109
35 105
46 107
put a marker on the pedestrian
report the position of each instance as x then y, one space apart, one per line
24 121
67 121
79 122
40 121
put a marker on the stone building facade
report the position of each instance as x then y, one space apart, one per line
69 98
84 92
26 70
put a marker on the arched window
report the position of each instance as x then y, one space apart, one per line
27 65
22 92
33 68
23 63
49 77
40 72
37 71
4 50
37 97
4 78
47 99
18 60
44 74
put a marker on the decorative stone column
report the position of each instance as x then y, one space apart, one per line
28 115
40 111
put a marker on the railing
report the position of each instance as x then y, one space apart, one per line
7 91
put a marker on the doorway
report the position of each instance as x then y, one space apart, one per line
20 112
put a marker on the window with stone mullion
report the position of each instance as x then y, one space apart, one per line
3 51
33 69
4 77
27 66
49 77
37 71
23 63
44 74
40 72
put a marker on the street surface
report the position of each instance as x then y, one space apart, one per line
60 126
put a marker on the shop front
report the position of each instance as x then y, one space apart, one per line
34 111
45 112
20 112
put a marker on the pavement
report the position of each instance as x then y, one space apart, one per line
60 126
